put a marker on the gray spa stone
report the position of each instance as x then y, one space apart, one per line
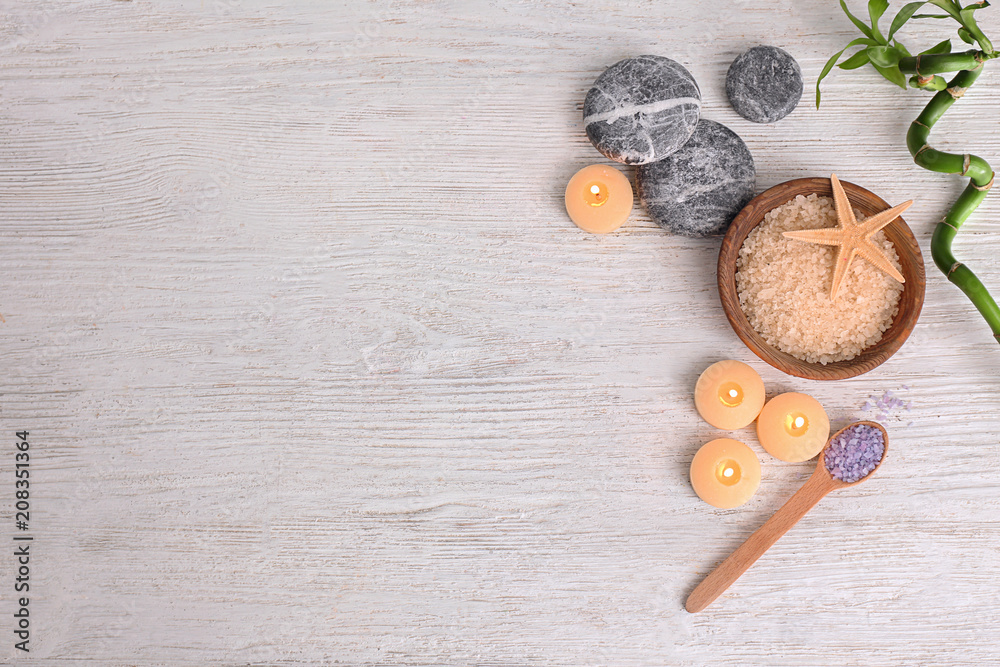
764 84
699 189
642 109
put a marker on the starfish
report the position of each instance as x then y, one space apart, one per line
852 237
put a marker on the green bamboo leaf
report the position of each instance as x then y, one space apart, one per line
931 16
984 43
904 15
968 12
875 10
902 49
884 56
833 61
826 70
859 59
892 74
949 8
942 47
966 37
865 30
969 21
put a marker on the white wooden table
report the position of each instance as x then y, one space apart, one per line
316 369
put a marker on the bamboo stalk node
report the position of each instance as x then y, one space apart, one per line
944 221
921 150
916 67
954 267
984 188
917 122
966 163
956 92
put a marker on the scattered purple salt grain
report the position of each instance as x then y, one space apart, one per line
853 454
887 405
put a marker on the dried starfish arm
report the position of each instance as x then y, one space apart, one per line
845 212
841 262
880 220
826 236
874 254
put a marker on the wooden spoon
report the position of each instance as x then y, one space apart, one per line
817 486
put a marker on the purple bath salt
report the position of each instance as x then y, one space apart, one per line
854 453
886 406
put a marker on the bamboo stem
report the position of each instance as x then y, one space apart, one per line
977 169
940 63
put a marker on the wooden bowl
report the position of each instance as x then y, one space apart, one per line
910 302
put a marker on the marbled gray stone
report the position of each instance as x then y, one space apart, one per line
699 189
764 84
642 109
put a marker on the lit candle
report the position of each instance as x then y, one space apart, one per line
599 199
793 427
729 395
725 473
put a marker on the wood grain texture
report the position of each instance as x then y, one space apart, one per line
316 368
911 261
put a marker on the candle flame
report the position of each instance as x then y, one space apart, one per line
596 194
727 472
796 424
731 394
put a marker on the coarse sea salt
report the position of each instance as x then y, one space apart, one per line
853 454
784 287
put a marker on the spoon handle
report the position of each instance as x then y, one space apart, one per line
722 577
